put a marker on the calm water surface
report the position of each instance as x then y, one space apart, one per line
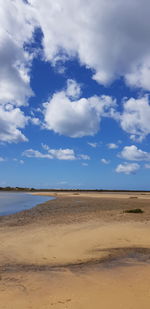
11 202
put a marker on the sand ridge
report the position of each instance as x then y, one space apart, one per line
110 195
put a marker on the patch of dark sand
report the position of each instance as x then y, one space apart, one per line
114 257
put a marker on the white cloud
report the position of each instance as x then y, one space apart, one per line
93 145
35 120
111 37
11 121
105 161
45 147
112 146
65 151
73 90
31 153
127 168
62 154
16 29
132 153
140 74
84 157
136 118
14 73
59 154
136 138
76 118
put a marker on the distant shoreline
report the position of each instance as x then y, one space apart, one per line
20 189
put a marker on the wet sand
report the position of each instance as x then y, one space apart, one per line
77 251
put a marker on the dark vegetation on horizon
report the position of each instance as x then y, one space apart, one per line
16 189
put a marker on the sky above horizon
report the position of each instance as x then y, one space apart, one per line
74 94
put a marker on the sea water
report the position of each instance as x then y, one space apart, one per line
11 202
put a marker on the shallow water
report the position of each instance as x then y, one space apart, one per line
11 202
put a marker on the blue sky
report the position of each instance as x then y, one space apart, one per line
74 94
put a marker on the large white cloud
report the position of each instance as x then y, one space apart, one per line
16 29
111 37
76 118
14 77
132 153
128 168
135 118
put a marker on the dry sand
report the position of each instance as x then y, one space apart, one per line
78 251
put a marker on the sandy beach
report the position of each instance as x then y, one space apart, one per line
80 250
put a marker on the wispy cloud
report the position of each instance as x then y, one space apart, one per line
93 145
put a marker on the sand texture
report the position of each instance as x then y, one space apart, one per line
77 251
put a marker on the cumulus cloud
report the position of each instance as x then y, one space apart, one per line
105 161
140 74
16 29
112 146
62 154
127 168
14 73
132 153
76 118
111 37
135 118
59 154
11 121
